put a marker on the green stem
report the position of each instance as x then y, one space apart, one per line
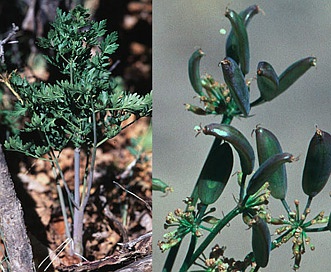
169 263
320 229
309 200
256 268
191 248
201 214
194 238
218 227
286 206
280 238
227 119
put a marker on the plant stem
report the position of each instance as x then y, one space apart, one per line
218 227
78 211
227 119
61 199
169 263
305 212
320 229
93 157
63 209
286 206
77 177
55 164
194 238
256 268
191 248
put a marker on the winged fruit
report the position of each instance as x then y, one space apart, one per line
215 174
261 242
194 71
266 169
239 142
267 146
232 40
317 167
267 81
239 30
236 83
294 72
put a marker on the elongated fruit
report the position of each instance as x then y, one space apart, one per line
261 242
294 72
267 81
266 169
194 71
317 167
232 41
159 185
239 142
267 146
239 29
236 83
215 174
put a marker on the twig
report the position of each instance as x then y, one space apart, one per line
146 204
127 170
129 245
12 33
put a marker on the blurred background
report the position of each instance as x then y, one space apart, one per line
287 32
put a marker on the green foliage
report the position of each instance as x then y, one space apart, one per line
231 99
63 112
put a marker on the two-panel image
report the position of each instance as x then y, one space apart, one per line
142 135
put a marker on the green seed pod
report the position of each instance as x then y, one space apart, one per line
236 83
215 174
294 72
159 185
266 169
267 81
194 71
317 167
267 146
239 142
232 41
195 109
249 13
239 30
261 242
